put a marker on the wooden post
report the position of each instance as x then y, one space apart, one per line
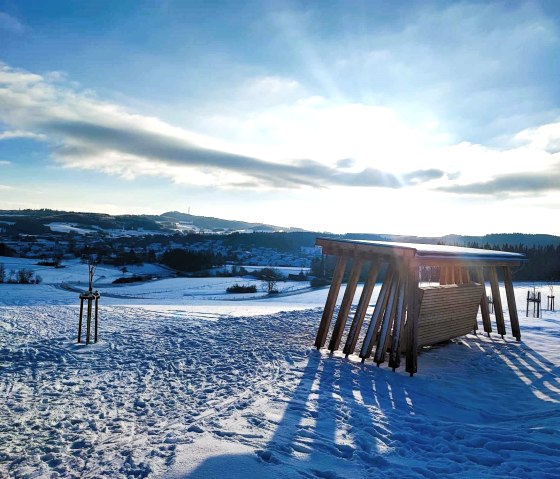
88 321
512 308
395 355
346 304
380 306
80 320
361 310
499 312
96 314
484 310
387 322
331 301
412 321
442 275
458 275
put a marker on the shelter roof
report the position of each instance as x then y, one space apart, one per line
422 252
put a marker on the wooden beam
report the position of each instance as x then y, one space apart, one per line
498 310
331 301
466 262
346 305
88 321
330 246
412 321
484 310
378 311
387 323
361 309
96 316
458 275
443 274
512 308
395 355
81 316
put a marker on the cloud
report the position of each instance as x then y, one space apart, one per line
9 135
10 24
421 176
538 176
513 184
482 69
88 133
5 162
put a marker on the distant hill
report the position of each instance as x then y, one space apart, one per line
36 222
210 223
45 221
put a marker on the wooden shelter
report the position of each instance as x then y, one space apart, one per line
408 315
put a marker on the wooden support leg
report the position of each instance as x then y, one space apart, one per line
484 310
80 320
387 322
446 275
346 304
378 311
96 318
88 322
395 356
512 308
498 311
360 314
331 301
413 314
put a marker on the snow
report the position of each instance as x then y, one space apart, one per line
59 227
189 382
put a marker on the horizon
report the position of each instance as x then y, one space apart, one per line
422 117
290 227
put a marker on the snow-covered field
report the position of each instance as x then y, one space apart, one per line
189 382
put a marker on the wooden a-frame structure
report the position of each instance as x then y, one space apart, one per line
407 315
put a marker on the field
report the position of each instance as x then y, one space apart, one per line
190 382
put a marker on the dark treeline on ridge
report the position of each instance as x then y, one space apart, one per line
543 261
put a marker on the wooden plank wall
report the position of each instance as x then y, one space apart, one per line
447 312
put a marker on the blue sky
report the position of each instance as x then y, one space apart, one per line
397 116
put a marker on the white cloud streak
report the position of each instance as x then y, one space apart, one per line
88 133
9 135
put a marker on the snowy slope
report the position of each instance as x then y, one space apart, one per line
195 386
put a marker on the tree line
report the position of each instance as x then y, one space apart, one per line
543 261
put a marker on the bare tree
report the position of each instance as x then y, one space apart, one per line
270 277
92 264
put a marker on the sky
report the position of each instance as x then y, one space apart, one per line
403 117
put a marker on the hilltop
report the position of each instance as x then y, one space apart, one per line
46 221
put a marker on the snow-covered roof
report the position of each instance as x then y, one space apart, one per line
419 251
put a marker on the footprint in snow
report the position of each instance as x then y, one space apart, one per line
267 456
